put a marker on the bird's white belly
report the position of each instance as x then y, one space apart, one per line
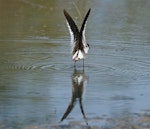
78 55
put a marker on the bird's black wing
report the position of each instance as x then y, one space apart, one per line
84 21
73 29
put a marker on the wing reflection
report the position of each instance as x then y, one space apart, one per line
79 82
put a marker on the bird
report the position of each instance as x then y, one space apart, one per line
78 41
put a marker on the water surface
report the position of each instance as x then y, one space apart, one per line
36 71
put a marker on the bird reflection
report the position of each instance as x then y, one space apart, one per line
79 82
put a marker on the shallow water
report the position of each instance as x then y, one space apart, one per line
37 74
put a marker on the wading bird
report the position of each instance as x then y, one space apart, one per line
79 46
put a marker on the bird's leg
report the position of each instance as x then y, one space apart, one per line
75 64
83 64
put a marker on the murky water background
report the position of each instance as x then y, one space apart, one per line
36 70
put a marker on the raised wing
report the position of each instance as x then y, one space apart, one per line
84 21
73 29
83 27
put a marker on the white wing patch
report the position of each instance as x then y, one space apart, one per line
83 35
86 47
71 35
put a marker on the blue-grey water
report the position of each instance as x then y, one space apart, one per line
37 73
